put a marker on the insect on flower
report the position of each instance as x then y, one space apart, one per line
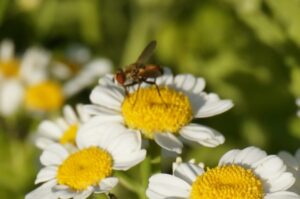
138 72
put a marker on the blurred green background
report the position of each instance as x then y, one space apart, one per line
247 50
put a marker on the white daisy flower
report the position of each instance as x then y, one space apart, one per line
89 169
241 174
41 93
25 82
64 129
293 166
28 82
162 115
79 69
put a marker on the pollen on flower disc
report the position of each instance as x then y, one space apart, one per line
151 111
69 135
230 181
44 96
84 168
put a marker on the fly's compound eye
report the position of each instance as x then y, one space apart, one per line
120 77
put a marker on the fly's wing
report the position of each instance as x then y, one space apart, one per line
147 52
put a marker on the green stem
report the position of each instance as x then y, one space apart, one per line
127 182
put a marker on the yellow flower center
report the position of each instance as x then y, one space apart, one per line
69 135
149 112
85 168
230 181
45 96
9 68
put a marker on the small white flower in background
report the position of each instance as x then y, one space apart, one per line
34 65
79 69
87 76
41 92
63 130
22 80
241 174
89 169
161 115
28 82
293 166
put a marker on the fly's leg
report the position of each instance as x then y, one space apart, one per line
157 88
126 86
137 93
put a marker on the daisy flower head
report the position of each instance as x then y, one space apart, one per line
25 81
89 169
64 129
161 113
293 166
241 174
42 93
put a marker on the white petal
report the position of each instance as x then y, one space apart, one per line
107 80
50 130
185 82
282 195
282 182
103 113
63 192
166 78
249 156
62 124
43 192
228 157
84 194
152 194
53 155
43 143
126 149
269 169
203 135
70 115
167 186
125 143
199 86
211 105
125 163
87 76
11 96
168 141
109 96
188 172
83 114
95 133
46 174
107 184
